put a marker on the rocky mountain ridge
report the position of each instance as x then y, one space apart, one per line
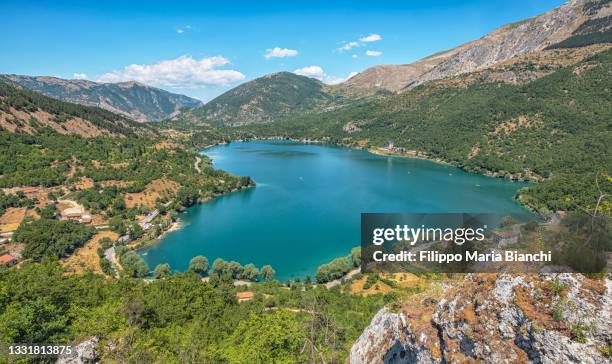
490 318
507 42
25 111
131 99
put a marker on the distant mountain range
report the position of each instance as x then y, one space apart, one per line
132 99
578 23
26 111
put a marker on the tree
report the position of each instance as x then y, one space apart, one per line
218 266
250 272
267 273
335 269
48 212
133 265
187 196
234 269
116 224
356 256
276 337
52 196
162 271
199 264
136 231
51 238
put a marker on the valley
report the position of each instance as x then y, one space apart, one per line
141 225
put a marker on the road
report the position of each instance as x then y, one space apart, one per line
197 164
347 276
110 255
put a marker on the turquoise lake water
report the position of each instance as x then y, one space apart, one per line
306 207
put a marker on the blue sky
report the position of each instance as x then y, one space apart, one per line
204 48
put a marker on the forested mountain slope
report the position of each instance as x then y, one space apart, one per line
556 129
264 99
30 112
131 99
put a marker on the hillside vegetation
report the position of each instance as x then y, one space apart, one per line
130 99
263 100
181 319
31 112
556 129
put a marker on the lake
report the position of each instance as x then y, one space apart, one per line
306 207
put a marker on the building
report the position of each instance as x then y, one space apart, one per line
244 296
123 239
6 236
7 260
556 218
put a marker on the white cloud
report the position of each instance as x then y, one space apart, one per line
277 52
183 29
311 71
184 71
348 46
373 53
317 72
79 76
354 56
371 38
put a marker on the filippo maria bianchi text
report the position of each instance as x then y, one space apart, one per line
432 256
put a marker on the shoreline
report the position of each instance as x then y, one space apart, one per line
179 224
528 177
398 154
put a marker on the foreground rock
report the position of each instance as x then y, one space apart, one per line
554 318
83 353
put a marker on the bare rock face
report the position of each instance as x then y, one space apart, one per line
83 353
510 41
386 340
552 318
507 42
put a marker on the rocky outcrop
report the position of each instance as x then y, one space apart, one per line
507 42
553 318
82 353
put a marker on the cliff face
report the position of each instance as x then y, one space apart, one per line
531 35
562 318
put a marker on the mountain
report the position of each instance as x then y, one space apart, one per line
576 23
544 116
30 112
529 101
491 318
265 99
132 99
